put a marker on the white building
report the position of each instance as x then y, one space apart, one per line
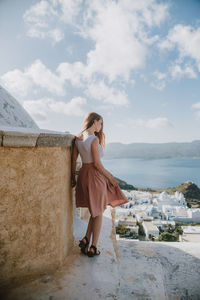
120 211
146 206
150 229
130 222
154 212
190 234
142 216
163 223
164 198
194 214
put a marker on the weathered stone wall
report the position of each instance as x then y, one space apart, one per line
36 210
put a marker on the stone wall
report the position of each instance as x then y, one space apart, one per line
36 204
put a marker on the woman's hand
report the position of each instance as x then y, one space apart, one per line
113 181
73 181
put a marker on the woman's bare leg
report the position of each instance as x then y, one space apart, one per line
96 226
89 230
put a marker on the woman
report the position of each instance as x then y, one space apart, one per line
96 187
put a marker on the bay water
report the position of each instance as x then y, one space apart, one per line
155 173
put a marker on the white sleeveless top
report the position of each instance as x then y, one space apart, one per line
84 148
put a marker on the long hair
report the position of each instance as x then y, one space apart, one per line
88 122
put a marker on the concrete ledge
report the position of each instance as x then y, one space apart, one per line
46 139
19 139
26 137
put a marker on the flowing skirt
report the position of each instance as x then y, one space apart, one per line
94 190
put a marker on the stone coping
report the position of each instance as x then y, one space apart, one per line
26 137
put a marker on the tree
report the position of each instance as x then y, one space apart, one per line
167 236
170 228
121 229
179 230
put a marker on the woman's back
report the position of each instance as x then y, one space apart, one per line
84 148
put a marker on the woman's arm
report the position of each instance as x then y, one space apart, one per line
97 162
73 163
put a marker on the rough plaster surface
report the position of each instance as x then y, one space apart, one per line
36 211
124 270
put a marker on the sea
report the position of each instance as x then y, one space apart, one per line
155 173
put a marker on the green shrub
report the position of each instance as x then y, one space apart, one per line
167 236
122 229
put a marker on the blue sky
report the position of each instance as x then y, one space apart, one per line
137 63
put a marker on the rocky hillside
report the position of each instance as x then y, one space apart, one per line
125 186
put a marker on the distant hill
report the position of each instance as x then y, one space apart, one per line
153 151
125 186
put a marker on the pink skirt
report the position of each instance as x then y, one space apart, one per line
94 190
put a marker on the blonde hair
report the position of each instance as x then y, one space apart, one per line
88 122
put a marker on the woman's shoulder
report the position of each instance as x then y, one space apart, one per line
79 136
95 138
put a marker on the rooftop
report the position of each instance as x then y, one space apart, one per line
191 229
150 225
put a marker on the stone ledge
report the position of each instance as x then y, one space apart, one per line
25 137
19 139
46 139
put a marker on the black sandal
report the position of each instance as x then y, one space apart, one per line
91 253
83 245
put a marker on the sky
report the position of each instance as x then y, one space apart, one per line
135 62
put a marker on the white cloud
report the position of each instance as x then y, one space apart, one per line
158 85
186 39
21 83
41 108
178 72
43 18
56 34
70 9
155 123
45 78
159 82
107 94
74 107
196 106
175 72
158 123
119 30
38 77
17 83
159 75
76 73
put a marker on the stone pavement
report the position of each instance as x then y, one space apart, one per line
137 270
